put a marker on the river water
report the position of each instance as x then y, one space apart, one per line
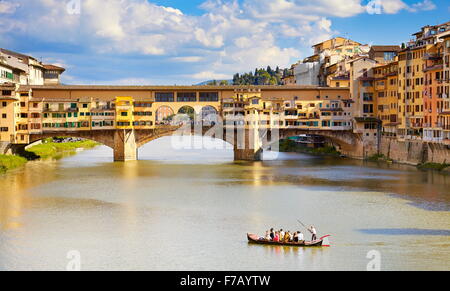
191 210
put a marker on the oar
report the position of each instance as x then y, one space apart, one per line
302 224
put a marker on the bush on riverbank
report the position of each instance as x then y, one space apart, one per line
8 162
433 166
50 149
379 158
288 145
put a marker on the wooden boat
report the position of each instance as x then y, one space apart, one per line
255 239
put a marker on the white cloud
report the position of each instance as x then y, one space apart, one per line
187 59
230 36
426 5
392 6
7 7
209 75
310 10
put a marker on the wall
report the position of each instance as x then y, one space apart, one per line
3 147
414 152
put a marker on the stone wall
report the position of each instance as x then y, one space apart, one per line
414 152
4 147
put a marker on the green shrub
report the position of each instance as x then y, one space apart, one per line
433 166
54 150
9 162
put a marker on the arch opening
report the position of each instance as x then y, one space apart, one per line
185 114
209 115
187 149
164 115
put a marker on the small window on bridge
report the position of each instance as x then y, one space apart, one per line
164 97
209 96
186 97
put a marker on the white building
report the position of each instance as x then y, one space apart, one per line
27 70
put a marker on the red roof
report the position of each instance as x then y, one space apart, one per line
53 68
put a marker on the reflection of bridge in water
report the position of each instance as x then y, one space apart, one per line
251 119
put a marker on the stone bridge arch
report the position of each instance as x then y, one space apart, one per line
348 143
145 136
105 137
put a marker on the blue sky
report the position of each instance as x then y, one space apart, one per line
187 42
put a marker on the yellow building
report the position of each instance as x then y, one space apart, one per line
124 112
411 83
338 45
8 111
144 115
386 87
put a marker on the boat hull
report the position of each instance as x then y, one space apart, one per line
254 239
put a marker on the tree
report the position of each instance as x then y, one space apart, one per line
260 77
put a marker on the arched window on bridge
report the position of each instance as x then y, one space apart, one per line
164 114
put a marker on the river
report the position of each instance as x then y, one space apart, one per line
191 210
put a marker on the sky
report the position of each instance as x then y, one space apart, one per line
184 42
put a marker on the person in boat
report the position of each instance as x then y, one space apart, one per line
268 236
295 237
272 234
287 236
291 236
281 234
277 237
313 231
301 237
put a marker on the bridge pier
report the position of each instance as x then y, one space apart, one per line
247 145
125 148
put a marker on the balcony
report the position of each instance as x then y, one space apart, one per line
433 57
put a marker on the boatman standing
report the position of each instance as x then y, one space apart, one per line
313 231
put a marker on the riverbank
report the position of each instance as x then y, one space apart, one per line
8 162
54 150
48 149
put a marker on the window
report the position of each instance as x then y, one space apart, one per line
123 113
389 56
209 96
6 93
164 97
368 108
4 115
4 104
85 105
368 97
139 113
3 129
255 101
370 126
186 97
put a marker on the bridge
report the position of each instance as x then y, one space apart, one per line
251 118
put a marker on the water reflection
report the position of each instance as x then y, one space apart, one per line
126 215
407 231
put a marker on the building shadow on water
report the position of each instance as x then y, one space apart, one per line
406 231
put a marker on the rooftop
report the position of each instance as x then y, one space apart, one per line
53 68
386 48
174 88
